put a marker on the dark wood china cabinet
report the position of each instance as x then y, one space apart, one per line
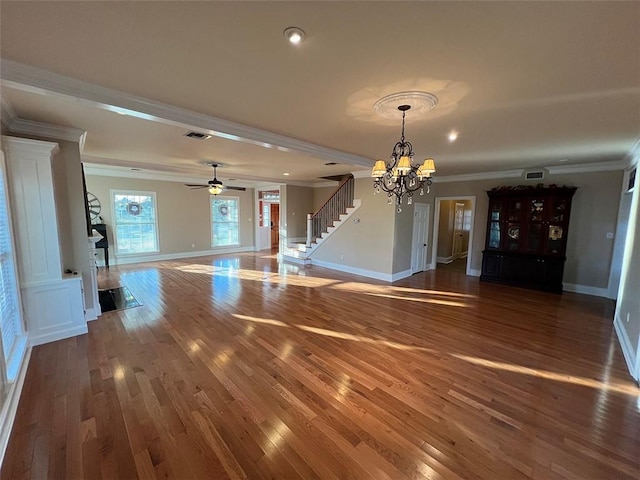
527 231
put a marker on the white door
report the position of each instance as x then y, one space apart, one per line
458 227
420 230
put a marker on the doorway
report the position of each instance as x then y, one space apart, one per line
420 233
453 233
275 225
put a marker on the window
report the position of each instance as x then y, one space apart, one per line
224 221
135 220
10 320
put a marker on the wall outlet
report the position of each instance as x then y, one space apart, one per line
342 256
193 245
609 235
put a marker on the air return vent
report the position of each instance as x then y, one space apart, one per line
537 175
197 135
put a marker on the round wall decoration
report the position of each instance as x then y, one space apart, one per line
224 210
93 205
134 208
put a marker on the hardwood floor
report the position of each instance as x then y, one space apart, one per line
237 367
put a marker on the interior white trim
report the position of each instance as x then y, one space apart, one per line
627 349
436 225
585 289
444 259
173 256
10 405
363 174
33 79
7 112
61 334
473 272
479 176
30 127
358 271
588 167
126 172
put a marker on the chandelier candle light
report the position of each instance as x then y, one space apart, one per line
401 176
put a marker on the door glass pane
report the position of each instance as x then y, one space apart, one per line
554 242
494 235
513 237
536 208
559 209
515 210
533 240
496 211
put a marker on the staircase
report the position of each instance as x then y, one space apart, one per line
321 224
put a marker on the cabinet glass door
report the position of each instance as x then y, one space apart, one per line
535 212
495 219
514 217
557 226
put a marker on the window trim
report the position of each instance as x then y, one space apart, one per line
114 229
212 198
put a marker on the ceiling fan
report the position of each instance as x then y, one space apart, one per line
215 186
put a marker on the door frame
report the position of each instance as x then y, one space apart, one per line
425 265
436 227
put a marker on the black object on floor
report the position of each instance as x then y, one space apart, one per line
117 298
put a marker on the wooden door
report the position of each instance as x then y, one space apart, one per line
275 225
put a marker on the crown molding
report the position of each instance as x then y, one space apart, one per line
33 79
362 173
633 155
7 112
588 167
30 127
479 176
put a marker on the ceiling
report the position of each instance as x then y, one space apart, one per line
526 84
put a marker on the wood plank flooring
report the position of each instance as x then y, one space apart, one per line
239 367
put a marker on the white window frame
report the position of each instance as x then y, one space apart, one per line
12 359
113 194
225 197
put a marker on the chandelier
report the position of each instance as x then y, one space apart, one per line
401 176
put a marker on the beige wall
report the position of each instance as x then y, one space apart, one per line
299 203
367 244
320 196
593 215
184 223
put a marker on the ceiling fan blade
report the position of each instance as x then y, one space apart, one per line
242 189
195 185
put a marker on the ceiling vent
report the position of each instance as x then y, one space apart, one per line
535 175
197 135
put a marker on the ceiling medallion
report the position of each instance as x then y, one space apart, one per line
419 102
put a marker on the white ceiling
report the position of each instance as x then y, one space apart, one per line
527 84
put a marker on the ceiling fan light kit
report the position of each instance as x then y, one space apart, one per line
215 186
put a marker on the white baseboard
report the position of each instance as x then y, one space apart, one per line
290 259
627 348
174 256
58 335
10 405
474 273
400 275
585 289
92 313
354 270
444 259
293 240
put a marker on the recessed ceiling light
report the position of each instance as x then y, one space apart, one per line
286 174
453 136
295 35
